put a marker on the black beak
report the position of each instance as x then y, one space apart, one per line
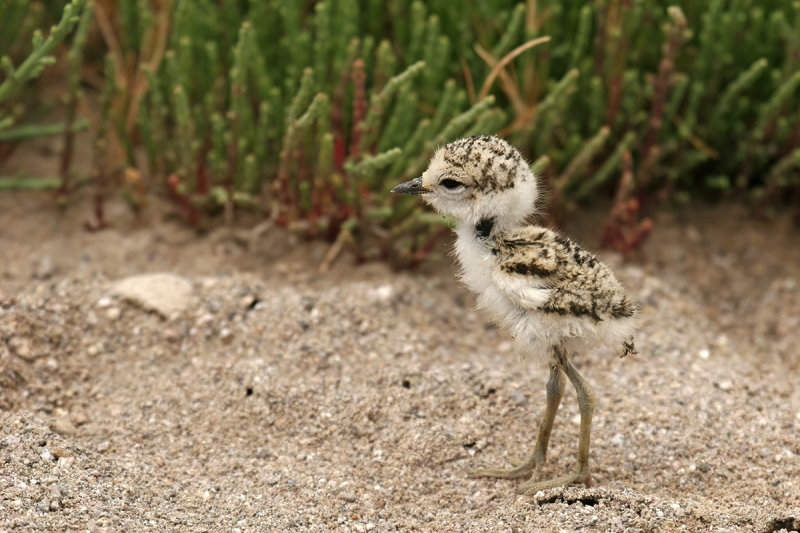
411 187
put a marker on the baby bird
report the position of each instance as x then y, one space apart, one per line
553 297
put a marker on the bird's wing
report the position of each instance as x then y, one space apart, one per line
526 268
538 269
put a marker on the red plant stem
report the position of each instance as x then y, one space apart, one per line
359 106
98 198
337 121
614 99
182 201
616 50
612 236
233 155
66 155
600 40
99 221
202 175
233 159
662 84
621 230
99 212
303 174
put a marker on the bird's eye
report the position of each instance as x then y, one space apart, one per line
451 184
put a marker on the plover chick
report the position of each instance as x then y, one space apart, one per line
553 297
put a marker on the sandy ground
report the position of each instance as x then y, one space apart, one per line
282 400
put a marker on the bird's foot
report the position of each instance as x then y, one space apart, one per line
521 468
531 487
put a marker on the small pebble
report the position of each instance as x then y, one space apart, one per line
46 268
61 452
383 293
78 416
171 335
64 463
249 301
21 346
165 293
63 426
56 493
519 397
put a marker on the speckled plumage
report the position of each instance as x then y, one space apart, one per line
553 297
559 292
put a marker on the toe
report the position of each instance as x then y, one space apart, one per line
532 487
518 471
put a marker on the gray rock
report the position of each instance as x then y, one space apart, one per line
166 294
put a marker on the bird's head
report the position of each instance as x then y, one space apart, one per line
477 178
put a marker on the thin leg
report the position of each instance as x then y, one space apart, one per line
581 474
555 391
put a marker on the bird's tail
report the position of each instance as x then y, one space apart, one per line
628 347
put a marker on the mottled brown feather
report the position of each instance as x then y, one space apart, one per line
581 284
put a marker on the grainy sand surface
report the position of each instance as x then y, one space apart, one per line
281 400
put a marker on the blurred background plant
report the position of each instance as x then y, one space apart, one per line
310 111
24 54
